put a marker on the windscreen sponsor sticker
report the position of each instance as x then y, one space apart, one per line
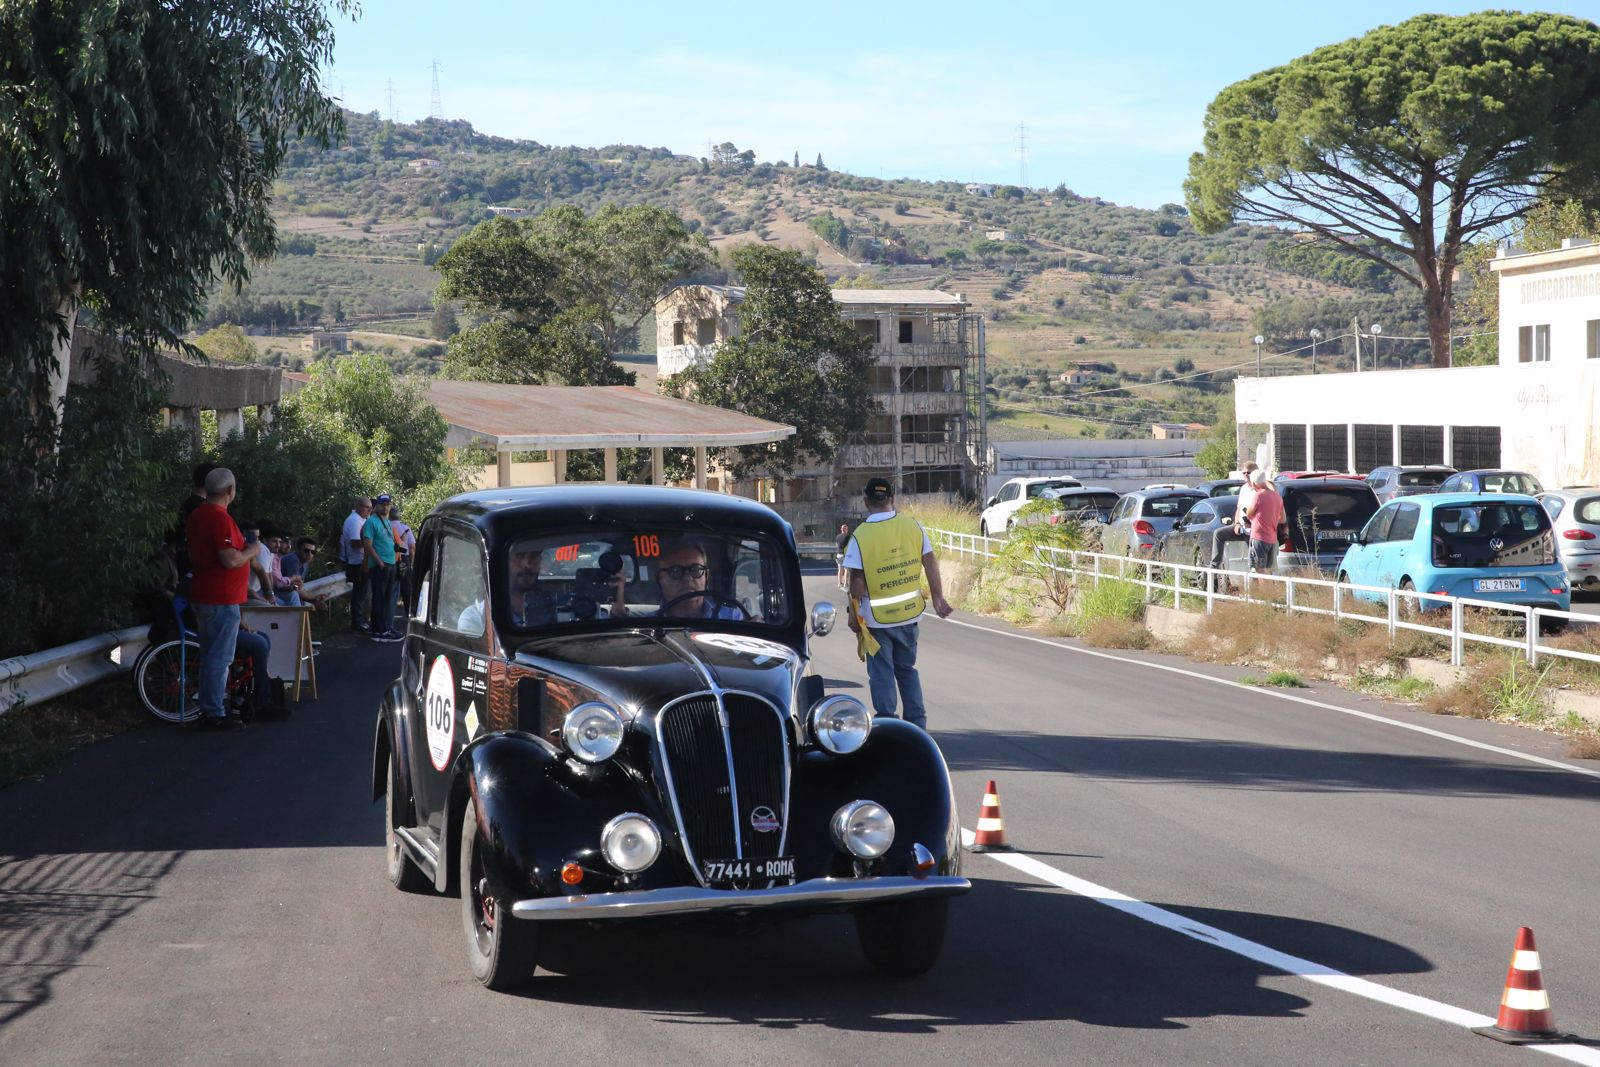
439 707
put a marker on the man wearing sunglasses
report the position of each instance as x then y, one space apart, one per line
681 572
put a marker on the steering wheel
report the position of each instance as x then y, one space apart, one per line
716 598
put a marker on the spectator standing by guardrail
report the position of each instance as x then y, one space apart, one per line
195 498
405 544
1265 517
221 566
353 553
887 556
378 544
1223 534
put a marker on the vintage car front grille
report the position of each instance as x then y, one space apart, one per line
698 754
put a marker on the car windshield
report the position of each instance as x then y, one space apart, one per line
1492 535
1167 507
1335 515
1044 488
1423 477
644 572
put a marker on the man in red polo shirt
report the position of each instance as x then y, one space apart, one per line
221 572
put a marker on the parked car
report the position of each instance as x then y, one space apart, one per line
572 739
1492 481
1575 517
1497 547
1389 482
1221 486
1189 540
1141 518
1287 476
1323 516
1001 510
1089 503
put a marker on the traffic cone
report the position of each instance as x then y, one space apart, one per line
991 835
1525 1015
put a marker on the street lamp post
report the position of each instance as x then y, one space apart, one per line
1259 339
1377 331
1316 335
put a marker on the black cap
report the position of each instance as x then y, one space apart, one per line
878 489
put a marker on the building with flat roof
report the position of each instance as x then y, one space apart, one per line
1536 409
928 437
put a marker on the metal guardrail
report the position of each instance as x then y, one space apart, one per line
40 676
1402 609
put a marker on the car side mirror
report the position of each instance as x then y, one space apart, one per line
823 615
992 501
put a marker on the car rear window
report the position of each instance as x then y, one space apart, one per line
1587 510
1509 482
1040 488
1492 535
1088 501
1167 507
1329 516
1424 477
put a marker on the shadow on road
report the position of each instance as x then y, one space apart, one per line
1016 953
1250 765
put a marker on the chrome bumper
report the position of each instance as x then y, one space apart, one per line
818 892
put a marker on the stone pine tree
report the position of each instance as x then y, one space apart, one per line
792 360
1405 144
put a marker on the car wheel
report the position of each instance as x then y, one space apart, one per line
983 529
403 874
903 939
501 949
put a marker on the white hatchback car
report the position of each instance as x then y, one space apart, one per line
1000 513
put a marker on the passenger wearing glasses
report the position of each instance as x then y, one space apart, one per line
681 572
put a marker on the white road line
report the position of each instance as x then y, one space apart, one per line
1260 691
1268 957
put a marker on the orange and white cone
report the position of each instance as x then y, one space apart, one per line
991 832
1525 1015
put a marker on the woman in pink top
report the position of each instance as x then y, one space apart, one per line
1265 515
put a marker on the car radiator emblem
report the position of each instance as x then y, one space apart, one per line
763 820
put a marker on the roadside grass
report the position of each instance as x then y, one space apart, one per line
32 740
1407 688
1277 679
957 518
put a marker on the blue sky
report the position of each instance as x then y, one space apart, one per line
1112 94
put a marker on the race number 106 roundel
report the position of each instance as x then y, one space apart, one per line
439 710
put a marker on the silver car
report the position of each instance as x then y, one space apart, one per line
1142 518
1575 518
1390 482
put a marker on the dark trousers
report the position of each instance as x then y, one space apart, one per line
1220 537
257 646
356 575
380 586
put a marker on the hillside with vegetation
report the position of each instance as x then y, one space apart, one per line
1166 313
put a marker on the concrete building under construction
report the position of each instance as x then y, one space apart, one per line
928 436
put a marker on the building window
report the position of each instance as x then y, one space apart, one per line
929 380
905 331
1533 344
926 429
1591 330
1474 447
871 329
932 480
1330 448
1374 446
879 431
1289 446
1421 445
880 379
677 333
706 332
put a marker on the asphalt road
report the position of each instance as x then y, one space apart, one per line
177 898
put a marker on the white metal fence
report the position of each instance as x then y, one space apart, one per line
1400 609
45 675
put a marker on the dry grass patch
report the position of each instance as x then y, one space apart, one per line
1584 745
1111 632
1259 633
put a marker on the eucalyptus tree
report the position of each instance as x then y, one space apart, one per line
1405 144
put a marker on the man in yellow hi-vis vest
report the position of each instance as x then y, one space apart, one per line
887 557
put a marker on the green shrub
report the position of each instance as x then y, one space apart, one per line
1111 599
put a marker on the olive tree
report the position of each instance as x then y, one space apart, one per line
1406 143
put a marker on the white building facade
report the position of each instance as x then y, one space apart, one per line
1535 410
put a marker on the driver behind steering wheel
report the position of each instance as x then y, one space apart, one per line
682 572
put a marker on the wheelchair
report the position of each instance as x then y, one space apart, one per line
166 676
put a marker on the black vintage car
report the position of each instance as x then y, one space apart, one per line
604 714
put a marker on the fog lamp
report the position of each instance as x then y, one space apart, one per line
630 842
863 828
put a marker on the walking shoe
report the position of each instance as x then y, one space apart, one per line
388 637
227 722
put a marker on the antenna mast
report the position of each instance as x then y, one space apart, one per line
435 105
390 91
1022 156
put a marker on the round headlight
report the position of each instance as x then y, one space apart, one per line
592 732
840 724
631 842
863 829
